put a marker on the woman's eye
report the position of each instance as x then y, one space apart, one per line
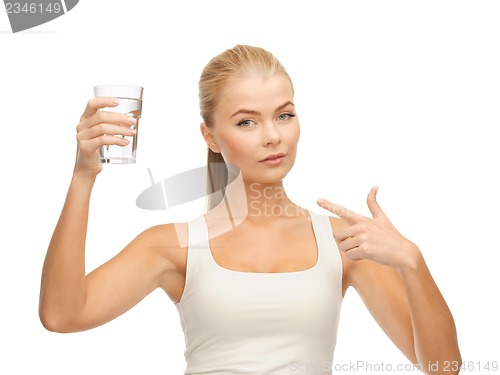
285 116
245 123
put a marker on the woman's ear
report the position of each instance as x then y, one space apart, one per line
209 138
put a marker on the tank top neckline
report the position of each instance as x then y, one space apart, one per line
264 274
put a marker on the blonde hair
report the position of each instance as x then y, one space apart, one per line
238 62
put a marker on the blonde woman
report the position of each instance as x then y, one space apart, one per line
257 280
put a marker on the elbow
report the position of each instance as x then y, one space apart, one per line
444 360
451 366
54 322
52 325
458 361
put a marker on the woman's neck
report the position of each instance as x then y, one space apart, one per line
256 202
266 201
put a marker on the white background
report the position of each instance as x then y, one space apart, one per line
403 95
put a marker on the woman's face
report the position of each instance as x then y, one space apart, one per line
256 127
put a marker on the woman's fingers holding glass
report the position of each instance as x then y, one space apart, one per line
89 147
107 117
95 104
104 128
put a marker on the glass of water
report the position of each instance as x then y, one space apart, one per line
130 98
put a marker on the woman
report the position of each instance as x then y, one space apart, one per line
258 281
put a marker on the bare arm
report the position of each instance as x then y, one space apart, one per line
63 285
391 276
409 307
70 300
433 325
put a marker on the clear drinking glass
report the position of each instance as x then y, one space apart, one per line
131 104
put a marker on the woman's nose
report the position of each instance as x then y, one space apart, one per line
271 134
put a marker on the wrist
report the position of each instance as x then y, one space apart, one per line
83 178
413 259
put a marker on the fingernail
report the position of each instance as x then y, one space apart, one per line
320 201
116 101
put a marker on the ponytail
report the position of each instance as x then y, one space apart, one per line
217 176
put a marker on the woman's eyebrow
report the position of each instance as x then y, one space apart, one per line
251 112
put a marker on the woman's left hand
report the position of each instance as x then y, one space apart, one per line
372 238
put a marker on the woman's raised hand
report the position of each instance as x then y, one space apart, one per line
96 129
372 238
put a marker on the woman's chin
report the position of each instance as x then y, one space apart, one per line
268 177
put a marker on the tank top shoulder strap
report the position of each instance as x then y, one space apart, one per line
322 228
197 232
198 244
326 241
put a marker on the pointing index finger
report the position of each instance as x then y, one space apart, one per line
342 212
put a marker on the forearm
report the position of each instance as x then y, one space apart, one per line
434 329
62 293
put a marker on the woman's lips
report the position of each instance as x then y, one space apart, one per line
273 159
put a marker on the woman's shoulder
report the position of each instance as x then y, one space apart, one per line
167 241
166 247
335 222
172 234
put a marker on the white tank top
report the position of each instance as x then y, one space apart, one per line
238 322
